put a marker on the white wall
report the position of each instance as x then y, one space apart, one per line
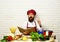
13 13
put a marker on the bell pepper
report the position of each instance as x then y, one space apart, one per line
34 36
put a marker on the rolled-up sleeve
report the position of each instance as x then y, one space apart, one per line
38 27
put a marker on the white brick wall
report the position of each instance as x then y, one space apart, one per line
13 13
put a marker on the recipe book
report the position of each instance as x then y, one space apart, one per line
32 29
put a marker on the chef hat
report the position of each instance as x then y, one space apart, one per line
31 11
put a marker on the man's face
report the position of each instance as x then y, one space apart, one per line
31 17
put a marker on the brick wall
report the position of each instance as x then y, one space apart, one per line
13 13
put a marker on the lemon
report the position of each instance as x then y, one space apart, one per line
24 38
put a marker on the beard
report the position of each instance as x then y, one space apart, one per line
31 19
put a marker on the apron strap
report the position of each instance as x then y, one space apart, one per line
35 24
27 24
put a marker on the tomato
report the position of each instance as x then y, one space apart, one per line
9 38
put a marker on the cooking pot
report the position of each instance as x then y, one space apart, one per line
47 32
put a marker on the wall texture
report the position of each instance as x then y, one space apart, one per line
13 13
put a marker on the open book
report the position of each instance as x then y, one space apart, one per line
32 29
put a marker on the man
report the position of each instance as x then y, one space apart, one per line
32 23
31 15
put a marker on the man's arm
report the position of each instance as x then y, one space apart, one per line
39 22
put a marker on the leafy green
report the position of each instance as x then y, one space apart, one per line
5 37
35 36
3 40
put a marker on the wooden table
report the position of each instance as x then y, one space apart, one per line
29 40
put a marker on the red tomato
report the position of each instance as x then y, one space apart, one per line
9 38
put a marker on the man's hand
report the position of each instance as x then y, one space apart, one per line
26 33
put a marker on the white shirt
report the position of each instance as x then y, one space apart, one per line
31 24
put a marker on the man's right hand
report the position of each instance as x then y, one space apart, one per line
26 33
